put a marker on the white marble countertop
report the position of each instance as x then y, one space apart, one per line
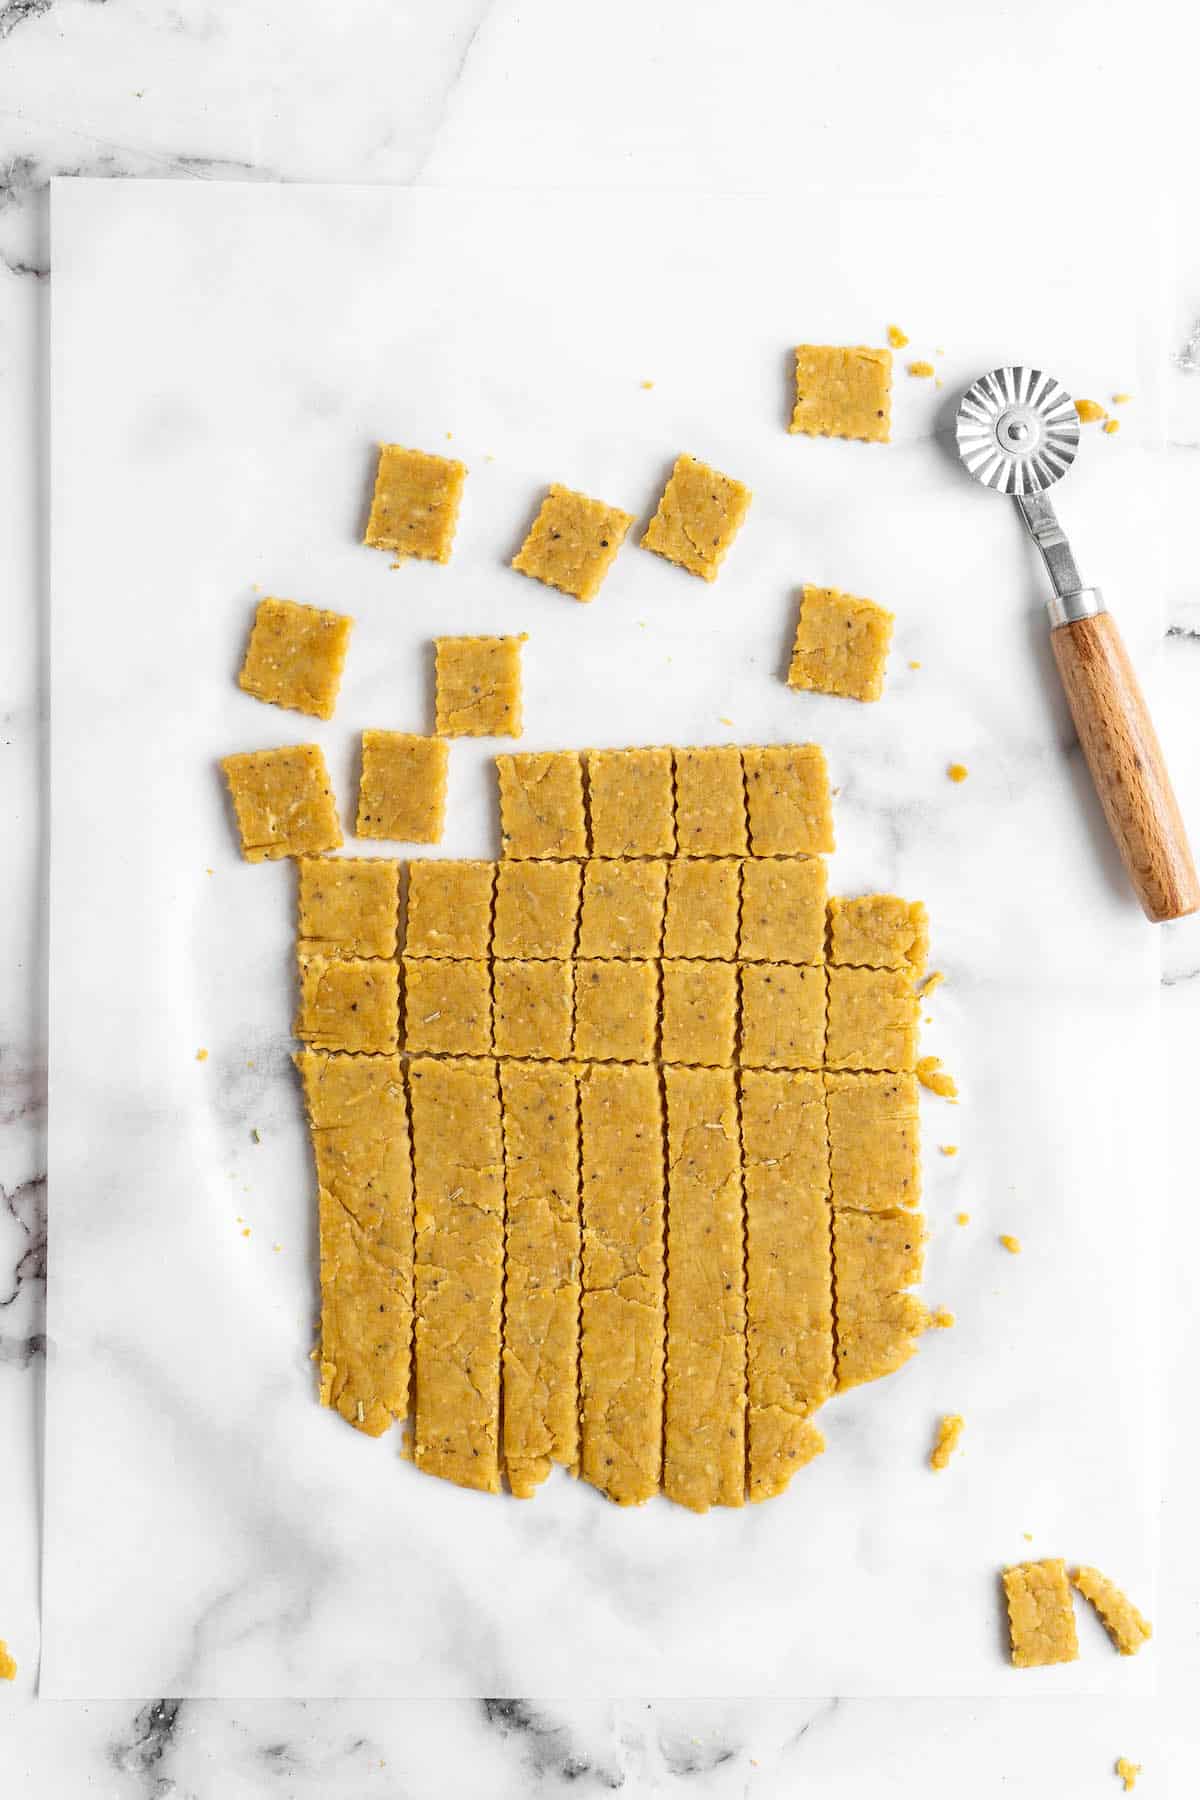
634 96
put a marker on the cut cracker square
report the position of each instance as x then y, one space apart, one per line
616 1011
783 909
702 907
787 794
783 1016
537 910
348 1003
348 906
843 391
872 1019
402 793
699 1012
541 804
841 645
710 801
622 911
478 686
449 908
631 800
415 506
572 543
295 656
283 802
447 1006
533 1007
874 1141
698 517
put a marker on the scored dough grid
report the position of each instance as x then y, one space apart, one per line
651 1270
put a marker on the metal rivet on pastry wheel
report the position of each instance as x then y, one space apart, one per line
1018 432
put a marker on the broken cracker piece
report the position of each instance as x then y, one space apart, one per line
841 645
572 543
843 391
283 802
295 656
478 686
1040 1616
414 510
698 517
1121 1618
880 931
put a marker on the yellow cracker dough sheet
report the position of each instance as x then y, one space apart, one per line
789 1272
702 908
572 543
843 391
295 656
624 1306
623 905
348 905
698 517
710 802
616 1010
1122 1620
783 1016
841 645
358 1121
705 1445
447 1006
449 908
879 931
631 801
348 1003
533 1004
283 801
874 1139
458 1160
1040 1616
542 1272
541 804
415 506
876 1258
699 1012
402 793
950 1429
477 689
783 909
787 796
537 909
872 1019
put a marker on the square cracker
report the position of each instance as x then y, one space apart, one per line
879 931
699 1012
533 1005
295 656
541 804
537 909
402 793
415 506
616 1011
622 912
348 906
631 800
872 1019
572 543
478 686
449 908
447 1006
283 802
841 645
698 517
874 1141
783 909
710 802
348 1002
702 907
843 391
783 1016
1041 1618
787 793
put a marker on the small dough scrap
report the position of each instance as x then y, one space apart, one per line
537 910
931 1076
783 909
623 906
1128 1771
631 801
449 908
710 802
841 645
541 804
447 1006
616 1011
843 391
872 1019
283 802
1121 1618
950 1429
1040 1616
402 793
783 1015
414 510
1089 411
880 931
702 908
698 517
8 1668
477 686
699 1012
348 1003
295 656
877 1257
572 543
349 905
533 1004
874 1141
1011 1244
787 793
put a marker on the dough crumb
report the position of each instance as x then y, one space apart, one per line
202 1056
896 338
1089 411
914 665
962 1218
929 1074
647 384
1128 1771
942 1319
948 1149
245 1231
933 980
1121 1618
922 370
1122 399
949 1431
1111 426
957 771
1011 1244
8 1668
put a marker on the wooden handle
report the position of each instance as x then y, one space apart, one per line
1127 765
